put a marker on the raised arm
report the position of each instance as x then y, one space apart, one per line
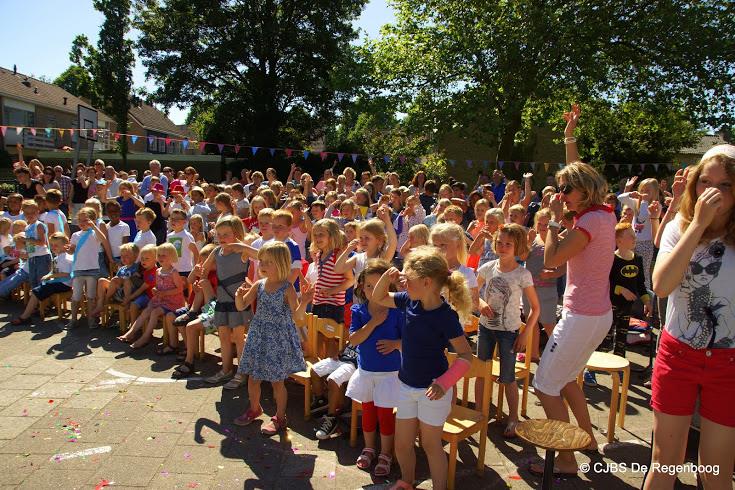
344 262
570 142
381 293
390 246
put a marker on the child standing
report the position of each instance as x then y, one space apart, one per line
426 380
118 232
85 245
450 239
144 217
186 248
39 257
329 296
54 218
506 282
373 325
272 350
57 281
627 285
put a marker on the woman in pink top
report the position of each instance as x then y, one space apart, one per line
587 249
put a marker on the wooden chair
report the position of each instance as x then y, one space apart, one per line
472 326
522 371
463 421
21 293
58 301
610 363
304 377
123 315
552 435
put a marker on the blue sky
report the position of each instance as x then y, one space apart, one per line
37 36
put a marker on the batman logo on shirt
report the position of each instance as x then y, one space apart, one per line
629 271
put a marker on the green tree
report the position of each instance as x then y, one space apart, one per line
265 72
110 64
78 82
476 65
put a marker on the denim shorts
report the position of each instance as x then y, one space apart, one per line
486 341
141 301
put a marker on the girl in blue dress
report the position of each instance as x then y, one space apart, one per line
272 350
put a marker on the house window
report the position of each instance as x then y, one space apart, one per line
13 116
158 144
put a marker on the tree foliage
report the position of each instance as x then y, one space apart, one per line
270 72
477 65
109 65
78 82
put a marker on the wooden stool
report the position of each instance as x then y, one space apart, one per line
58 301
552 435
610 363
123 315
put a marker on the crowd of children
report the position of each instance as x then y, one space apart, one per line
404 268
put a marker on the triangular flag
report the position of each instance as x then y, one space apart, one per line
202 145
48 132
288 152
340 156
655 167
485 164
151 139
323 155
168 141
517 165
533 166
501 163
61 133
94 133
237 149
273 152
354 158
452 162
617 167
71 132
386 159
185 144
469 163
33 131
670 166
133 138
18 131
561 166
3 129
306 154
255 149
630 167
402 159
116 136
221 147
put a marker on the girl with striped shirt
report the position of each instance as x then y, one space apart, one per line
329 299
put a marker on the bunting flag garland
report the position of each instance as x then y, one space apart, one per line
19 131
133 138
94 133
517 165
533 166
340 156
3 129
221 147
546 166
306 154
48 132
323 155
61 133
354 158
185 144
151 139
71 133
670 166
254 149
288 152
655 167
452 162
501 163
386 159
202 146
237 149
561 166
33 131
273 152
617 167
168 141
469 163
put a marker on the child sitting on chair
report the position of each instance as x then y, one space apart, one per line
57 281
127 280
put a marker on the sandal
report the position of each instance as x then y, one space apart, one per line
164 350
124 340
510 430
401 485
183 371
20 321
383 466
237 381
366 458
181 355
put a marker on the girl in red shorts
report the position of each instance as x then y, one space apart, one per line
696 358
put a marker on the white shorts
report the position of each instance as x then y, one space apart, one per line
413 403
574 340
371 386
335 370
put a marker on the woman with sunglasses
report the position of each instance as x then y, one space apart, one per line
587 250
49 179
696 356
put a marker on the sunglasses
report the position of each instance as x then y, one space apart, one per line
566 189
711 269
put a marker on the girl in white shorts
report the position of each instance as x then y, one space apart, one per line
425 380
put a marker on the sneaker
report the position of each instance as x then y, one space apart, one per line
274 426
319 405
590 379
248 417
237 381
218 378
327 427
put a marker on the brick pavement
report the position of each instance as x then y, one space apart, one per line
77 410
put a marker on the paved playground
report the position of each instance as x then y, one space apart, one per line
77 410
